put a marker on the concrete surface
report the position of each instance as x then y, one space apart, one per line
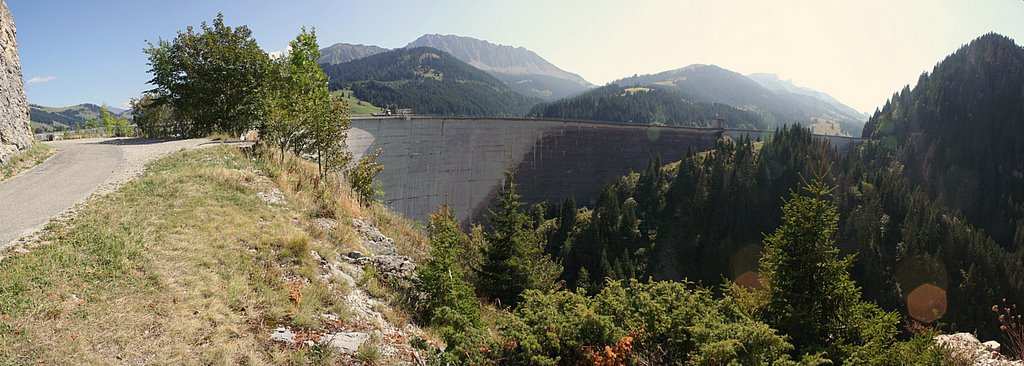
430 160
80 168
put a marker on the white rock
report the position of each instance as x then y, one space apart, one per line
283 335
991 346
345 343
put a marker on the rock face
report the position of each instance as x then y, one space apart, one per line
965 348
15 132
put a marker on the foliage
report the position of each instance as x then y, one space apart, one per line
514 260
705 216
449 304
323 119
361 176
429 82
654 105
116 126
153 119
214 80
957 135
670 323
811 296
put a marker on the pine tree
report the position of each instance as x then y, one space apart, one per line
812 298
514 260
449 304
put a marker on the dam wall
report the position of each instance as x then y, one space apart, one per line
432 160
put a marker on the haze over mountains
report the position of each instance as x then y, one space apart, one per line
779 105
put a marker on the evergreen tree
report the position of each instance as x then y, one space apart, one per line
811 297
449 303
514 260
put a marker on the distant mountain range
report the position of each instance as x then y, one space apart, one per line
520 68
62 118
345 52
428 81
780 104
775 101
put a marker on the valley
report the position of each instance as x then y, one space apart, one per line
320 190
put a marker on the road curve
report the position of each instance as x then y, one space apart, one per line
80 168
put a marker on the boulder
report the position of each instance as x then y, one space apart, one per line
391 266
283 335
373 239
345 342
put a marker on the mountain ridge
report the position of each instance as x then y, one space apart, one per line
428 81
711 83
345 52
520 68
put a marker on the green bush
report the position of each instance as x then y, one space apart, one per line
670 323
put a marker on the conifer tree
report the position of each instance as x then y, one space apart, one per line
449 305
514 260
812 298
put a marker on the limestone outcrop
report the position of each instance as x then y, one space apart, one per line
15 131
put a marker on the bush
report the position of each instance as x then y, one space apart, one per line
647 323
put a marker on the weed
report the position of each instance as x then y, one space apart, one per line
1012 325
295 249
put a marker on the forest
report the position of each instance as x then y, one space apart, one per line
853 256
429 82
645 105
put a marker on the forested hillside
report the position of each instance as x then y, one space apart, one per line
703 219
642 105
959 133
713 84
429 82
50 118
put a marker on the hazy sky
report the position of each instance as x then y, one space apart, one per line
860 52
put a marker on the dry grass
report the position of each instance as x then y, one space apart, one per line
185 265
25 160
334 199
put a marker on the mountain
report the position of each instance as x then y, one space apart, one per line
520 68
428 81
345 52
645 105
773 83
62 118
959 133
709 83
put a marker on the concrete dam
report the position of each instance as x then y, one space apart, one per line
428 160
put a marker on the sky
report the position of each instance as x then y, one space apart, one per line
860 52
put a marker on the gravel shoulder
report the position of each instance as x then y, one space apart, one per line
80 169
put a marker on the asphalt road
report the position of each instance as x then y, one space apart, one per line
80 168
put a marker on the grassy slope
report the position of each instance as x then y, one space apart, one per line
25 160
356 107
185 265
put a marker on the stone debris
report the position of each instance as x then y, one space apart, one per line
354 255
345 342
373 239
283 335
967 347
273 197
391 266
326 224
